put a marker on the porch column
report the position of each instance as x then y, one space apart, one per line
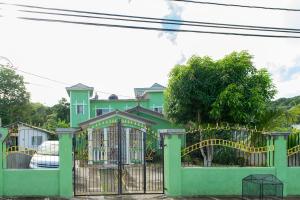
105 143
90 146
127 146
172 161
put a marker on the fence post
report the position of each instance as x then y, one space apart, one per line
280 157
3 134
270 154
172 161
65 161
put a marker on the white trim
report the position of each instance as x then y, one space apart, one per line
90 145
71 124
127 146
114 115
83 107
89 107
105 143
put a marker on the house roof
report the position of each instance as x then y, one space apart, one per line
141 91
30 126
80 87
144 110
113 113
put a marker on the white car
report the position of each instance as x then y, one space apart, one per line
46 156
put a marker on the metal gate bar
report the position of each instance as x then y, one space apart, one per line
115 160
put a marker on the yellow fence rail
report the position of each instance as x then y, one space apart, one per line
226 143
20 149
294 150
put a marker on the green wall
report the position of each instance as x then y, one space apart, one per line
90 105
293 179
155 99
40 182
121 104
217 180
31 182
79 97
223 181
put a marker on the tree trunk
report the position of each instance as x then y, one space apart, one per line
210 155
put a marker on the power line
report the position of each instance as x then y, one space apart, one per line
148 18
238 5
56 81
195 24
158 29
36 75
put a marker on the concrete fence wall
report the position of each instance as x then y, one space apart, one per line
40 182
223 181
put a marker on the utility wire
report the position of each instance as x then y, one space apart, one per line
148 18
36 75
157 29
238 5
161 22
53 80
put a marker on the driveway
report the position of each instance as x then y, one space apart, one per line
135 197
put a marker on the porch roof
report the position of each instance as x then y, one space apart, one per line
109 115
145 110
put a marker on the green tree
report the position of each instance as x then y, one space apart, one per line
38 114
229 90
14 99
62 110
53 122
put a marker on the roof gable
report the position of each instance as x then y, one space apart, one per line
80 87
30 126
116 113
145 110
141 91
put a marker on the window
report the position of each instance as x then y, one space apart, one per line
158 109
102 111
36 140
79 109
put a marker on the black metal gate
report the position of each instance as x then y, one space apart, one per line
117 160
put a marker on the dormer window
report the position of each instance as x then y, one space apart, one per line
79 109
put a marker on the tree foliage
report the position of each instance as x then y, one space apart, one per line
15 104
228 90
14 99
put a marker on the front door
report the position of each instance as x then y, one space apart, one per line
117 160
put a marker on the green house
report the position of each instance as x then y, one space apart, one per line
134 119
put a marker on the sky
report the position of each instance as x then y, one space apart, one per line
114 60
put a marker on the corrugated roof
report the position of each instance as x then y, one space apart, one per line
30 126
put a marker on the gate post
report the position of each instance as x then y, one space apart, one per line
3 134
65 161
172 161
281 158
